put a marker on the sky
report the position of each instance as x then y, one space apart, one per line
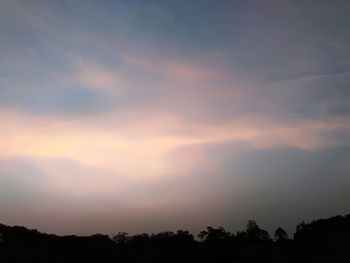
145 116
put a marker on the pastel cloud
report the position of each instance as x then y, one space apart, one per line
135 149
96 77
175 68
126 165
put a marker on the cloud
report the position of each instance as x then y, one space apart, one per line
96 77
175 68
318 77
143 148
134 102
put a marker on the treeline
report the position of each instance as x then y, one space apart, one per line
325 240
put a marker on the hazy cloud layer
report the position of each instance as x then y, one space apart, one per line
145 116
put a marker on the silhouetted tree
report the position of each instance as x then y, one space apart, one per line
324 240
255 233
214 234
184 236
120 238
281 235
241 236
301 226
140 238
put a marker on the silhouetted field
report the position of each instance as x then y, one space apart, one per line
324 240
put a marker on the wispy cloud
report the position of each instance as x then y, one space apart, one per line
318 77
136 149
95 77
184 69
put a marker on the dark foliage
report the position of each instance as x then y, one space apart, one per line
281 235
255 234
325 240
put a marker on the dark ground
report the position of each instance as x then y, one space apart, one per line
325 240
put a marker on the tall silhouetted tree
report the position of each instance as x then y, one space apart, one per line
281 235
255 233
